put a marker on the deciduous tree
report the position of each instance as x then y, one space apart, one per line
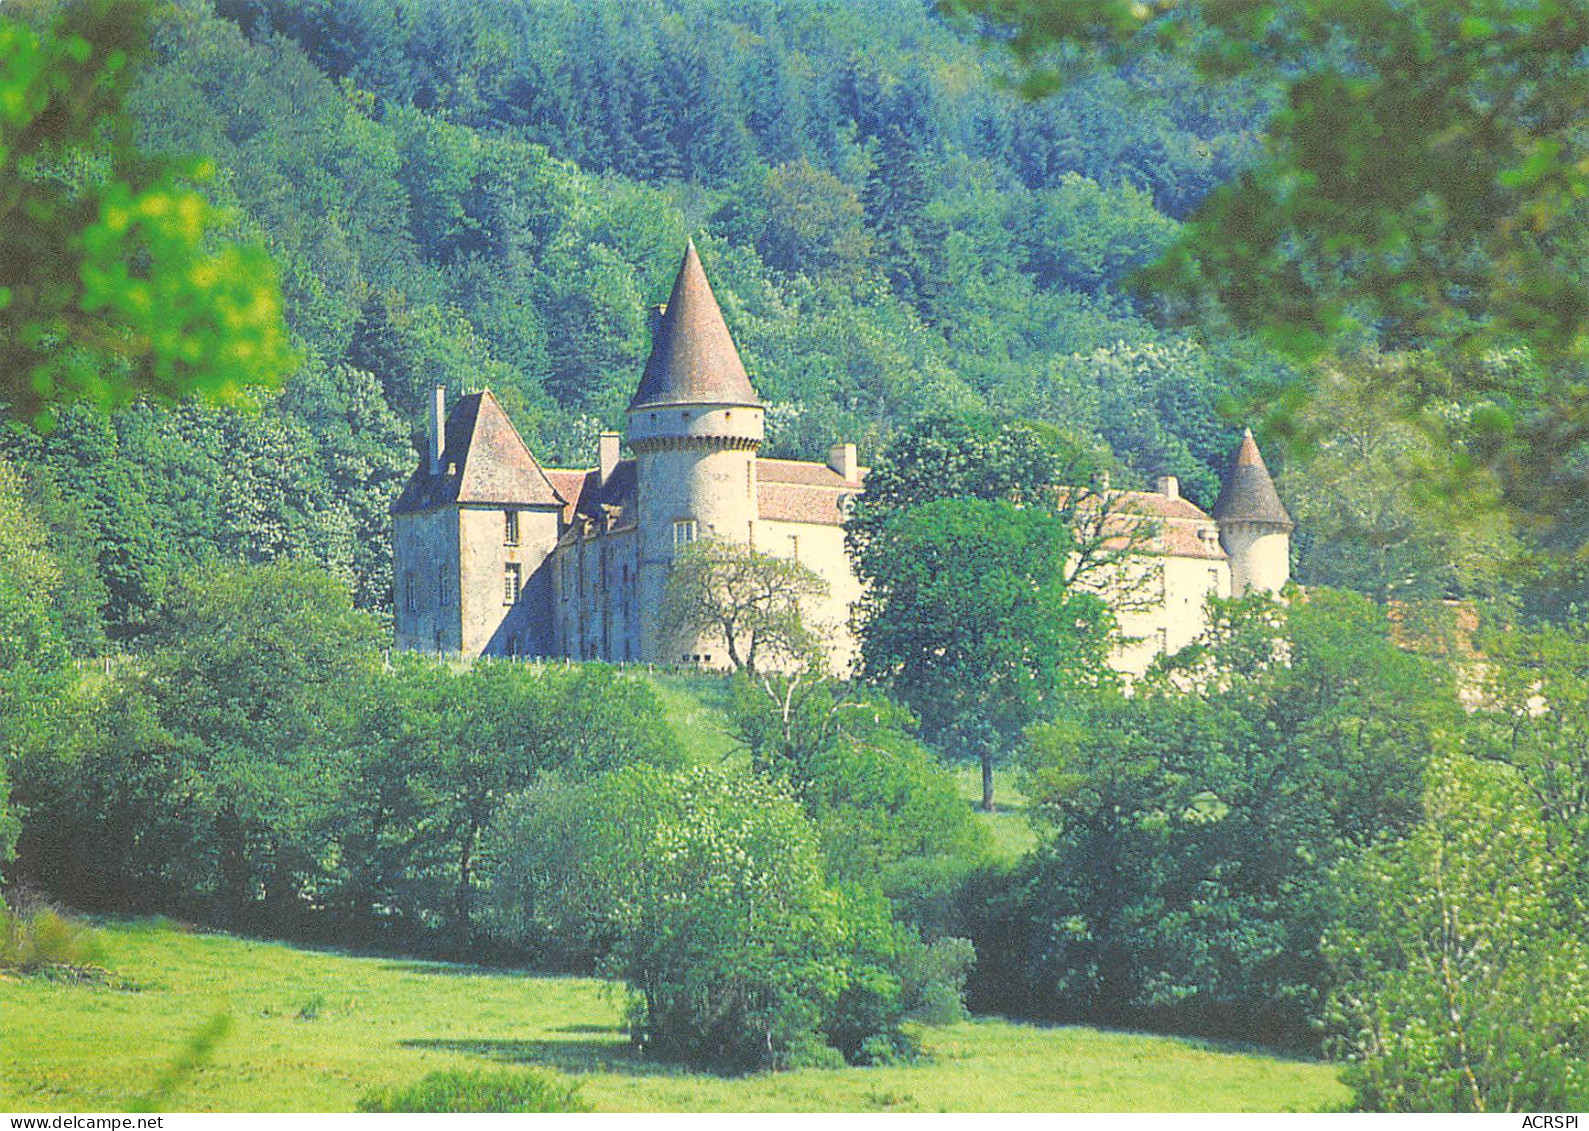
112 284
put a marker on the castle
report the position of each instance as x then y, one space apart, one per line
494 554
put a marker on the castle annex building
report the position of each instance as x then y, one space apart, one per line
496 555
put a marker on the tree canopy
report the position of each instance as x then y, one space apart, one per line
112 282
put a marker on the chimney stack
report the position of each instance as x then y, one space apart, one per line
1169 486
437 428
606 457
842 459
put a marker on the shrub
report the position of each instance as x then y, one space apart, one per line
37 941
473 1092
705 893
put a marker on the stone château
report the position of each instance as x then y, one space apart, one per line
496 555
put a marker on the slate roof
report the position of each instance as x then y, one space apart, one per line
1249 493
693 359
483 460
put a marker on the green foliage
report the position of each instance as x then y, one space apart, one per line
115 288
705 893
1189 829
459 1092
952 457
887 813
1386 502
969 617
1090 239
1312 240
1536 695
261 768
30 943
1460 986
34 602
1470 249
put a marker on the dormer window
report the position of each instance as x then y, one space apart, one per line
510 528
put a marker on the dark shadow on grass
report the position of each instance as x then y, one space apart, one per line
464 970
614 1057
1279 1052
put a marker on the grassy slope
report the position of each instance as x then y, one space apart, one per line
312 1030
697 706
1013 835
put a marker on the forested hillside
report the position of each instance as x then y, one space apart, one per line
493 195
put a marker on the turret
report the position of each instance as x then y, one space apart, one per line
695 425
1254 527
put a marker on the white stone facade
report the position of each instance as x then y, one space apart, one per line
495 555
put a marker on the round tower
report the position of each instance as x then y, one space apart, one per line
695 425
1254 527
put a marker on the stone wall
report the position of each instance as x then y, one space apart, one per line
424 575
1260 556
488 623
820 548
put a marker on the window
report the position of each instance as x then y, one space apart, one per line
510 528
441 586
750 480
410 600
794 547
684 532
510 583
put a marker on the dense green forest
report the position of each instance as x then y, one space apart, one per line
493 195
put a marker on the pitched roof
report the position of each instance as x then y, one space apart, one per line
586 496
1177 527
801 472
789 490
1249 493
693 359
483 460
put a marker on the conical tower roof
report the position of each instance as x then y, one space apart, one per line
1249 493
693 359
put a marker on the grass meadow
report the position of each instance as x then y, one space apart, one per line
313 1030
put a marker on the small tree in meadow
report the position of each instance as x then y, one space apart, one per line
704 892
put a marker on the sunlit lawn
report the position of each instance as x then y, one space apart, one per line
313 1030
1012 833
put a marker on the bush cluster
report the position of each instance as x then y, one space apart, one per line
456 1093
704 892
38 940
